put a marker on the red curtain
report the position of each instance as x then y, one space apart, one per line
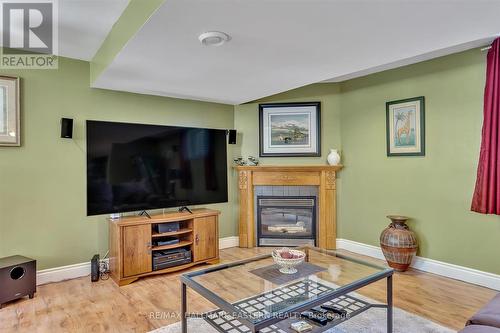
486 197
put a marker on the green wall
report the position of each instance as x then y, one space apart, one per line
434 190
42 191
42 183
246 118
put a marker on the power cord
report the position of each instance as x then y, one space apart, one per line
104 267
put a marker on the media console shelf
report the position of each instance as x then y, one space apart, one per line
132 242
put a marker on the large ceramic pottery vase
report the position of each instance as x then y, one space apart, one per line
398 243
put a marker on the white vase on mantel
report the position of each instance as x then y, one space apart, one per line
334 157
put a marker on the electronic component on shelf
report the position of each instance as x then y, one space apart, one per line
316 317
301 326
167 241
167 227
170 258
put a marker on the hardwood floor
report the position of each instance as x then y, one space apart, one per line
81 306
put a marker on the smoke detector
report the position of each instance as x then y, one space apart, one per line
214 38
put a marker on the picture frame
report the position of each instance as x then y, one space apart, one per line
290 129
10 113
405 127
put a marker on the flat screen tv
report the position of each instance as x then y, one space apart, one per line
135 167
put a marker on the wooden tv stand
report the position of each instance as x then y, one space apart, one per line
131 242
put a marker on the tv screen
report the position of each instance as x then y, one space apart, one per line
134 167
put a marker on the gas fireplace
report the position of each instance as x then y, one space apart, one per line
286 220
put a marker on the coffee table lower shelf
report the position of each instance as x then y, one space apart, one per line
225 323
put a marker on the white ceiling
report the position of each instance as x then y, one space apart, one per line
84 24
279 45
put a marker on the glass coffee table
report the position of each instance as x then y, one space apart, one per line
253 296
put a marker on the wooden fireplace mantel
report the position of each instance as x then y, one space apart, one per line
323 176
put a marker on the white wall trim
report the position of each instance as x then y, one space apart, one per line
469 275
227 242
461 273
62 273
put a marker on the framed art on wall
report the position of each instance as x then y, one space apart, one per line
290 129
10 126
406 127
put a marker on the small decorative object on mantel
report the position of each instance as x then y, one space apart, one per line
10 122
287 259
252 161
334 157
290 129
399 244
406 127
239 161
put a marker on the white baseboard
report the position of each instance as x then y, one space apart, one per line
360 248
227 242
461 273
469 275
62 273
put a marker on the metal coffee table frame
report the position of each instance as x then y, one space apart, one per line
188 281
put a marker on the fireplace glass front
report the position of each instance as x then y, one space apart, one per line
286 221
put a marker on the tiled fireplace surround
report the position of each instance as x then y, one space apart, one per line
280 191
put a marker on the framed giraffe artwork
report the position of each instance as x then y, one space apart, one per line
405 130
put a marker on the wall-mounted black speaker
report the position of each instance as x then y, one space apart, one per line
231 137
66 128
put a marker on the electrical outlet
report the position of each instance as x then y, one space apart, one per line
104 265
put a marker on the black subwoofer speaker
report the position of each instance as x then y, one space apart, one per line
17 278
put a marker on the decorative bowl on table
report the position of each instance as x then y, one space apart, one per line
287 259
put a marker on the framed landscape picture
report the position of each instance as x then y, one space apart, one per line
406 127
290 129
10 127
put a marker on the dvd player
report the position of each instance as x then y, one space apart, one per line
170 258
